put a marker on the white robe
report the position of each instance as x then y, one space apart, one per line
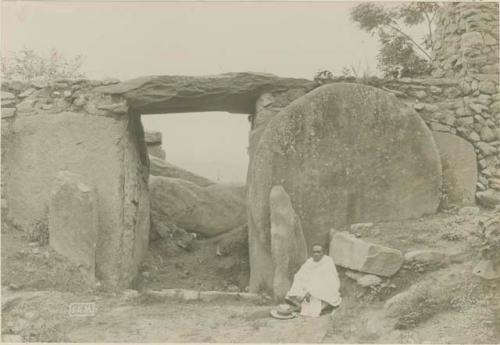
320 279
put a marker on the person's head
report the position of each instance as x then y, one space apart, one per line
317 252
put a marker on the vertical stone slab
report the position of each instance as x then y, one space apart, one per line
458 161
288 245
73 220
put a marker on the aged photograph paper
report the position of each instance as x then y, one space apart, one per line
250 172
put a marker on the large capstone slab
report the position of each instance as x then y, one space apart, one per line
345 153
73 221
231 92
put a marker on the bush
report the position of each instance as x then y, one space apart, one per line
29 65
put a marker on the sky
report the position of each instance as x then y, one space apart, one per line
130 39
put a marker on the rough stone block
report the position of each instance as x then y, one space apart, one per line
156 151
73 220
152 137
353 253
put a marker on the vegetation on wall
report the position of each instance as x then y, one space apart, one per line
29 65
400 54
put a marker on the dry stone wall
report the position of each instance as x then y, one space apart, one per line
65 125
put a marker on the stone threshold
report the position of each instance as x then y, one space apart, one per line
205 296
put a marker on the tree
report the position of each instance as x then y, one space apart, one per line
400 54
28 65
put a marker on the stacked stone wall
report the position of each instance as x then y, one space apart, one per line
67 126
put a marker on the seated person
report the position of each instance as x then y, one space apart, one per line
316 285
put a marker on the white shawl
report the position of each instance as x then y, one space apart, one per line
320 279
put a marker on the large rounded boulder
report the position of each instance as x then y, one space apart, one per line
210 210
345 153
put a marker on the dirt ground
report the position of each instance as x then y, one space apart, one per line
38 286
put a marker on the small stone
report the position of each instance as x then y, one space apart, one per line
465 121
490 40
27 93
487 87
67 93
152 137
47 106
233 288
439 127
477 108
474 85
7 96
8 103
110 81
80 101
452 92
190 295
419 106
146 274
435 90
471 39
431 108
486 149
369 280
427 257
463 112
117 108
8 112
361 227
469 211
486 269
40 83
130 294
26 107
353 275
465 87
420 94
488 198
487 134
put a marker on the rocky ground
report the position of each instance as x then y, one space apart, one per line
436 300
